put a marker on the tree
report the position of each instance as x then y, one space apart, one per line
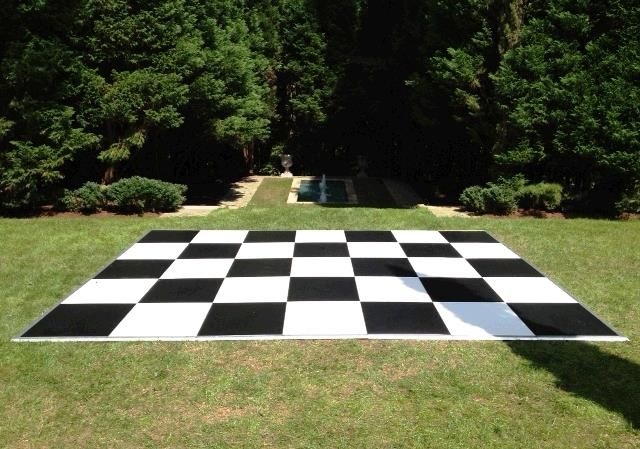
569 91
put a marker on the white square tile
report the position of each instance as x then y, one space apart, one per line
222 236
320 236
275 250
321 267
419 237
528 289
390 289
197 268
324 318
443 267
163 320
111 291
473 319
484 251
253 289
154 251
385 250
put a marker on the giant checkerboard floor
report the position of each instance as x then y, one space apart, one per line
215 284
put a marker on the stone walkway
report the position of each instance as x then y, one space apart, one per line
448 211
241 192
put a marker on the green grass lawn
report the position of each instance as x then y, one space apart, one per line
272 192
335 394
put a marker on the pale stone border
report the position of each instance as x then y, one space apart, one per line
352 198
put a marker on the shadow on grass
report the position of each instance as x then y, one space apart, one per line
372 193
586 371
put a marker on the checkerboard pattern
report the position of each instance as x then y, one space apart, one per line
319 284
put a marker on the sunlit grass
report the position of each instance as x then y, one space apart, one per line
319 393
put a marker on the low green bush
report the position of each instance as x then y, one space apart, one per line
86 199
630 202
541 196
500 199
268 170
138 194
504 195
497 199
514 183
472 198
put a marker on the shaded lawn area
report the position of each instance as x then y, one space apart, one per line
351 394
272 192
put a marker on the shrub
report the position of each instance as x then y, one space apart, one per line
268 170
500 199
494 199
630 202
542 196
138 194
472 198
86 199
514 183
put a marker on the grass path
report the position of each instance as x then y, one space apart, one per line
351 394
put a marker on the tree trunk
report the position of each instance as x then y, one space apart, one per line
247 153
109 174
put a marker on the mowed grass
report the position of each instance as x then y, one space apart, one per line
308 394
272 192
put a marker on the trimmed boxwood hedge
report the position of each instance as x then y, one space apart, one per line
138 194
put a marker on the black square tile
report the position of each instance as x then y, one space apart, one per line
135 269
321 250
244 319
402 318
183 290
270 236
370 236
459 289
560 319
323 289
210 251
429 250
168 236
260 267
503 268
80 320
468 237
382 267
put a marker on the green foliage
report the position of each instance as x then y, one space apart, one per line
472 198
630 202
493 199
515 182
541 196
268 170
569 91
28 171
448 94
500 199
87 199
231 94
506 194
138 194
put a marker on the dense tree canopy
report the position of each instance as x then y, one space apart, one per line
441 93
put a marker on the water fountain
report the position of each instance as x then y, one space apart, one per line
323 189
